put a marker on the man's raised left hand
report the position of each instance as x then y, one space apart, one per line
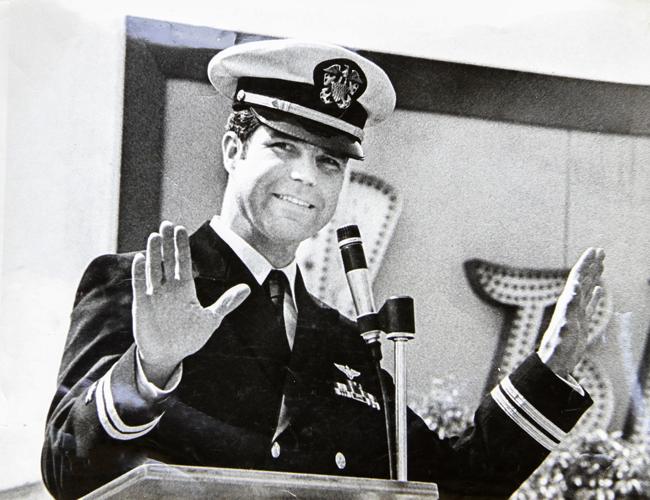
565 341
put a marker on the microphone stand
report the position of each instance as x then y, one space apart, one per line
356 271
389 422
399 325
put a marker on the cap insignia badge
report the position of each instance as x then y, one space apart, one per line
341 81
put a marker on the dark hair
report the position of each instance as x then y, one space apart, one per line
243 123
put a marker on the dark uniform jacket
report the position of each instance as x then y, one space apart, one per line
225 411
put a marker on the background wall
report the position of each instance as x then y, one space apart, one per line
60 160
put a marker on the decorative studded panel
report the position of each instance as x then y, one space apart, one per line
639 431
637 423
527 297
374 206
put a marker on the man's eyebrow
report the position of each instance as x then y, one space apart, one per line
276 134
337 156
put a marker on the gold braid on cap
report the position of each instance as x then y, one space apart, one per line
297 109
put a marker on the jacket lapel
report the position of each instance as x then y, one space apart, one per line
216 268
315 326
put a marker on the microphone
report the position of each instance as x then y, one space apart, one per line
358 277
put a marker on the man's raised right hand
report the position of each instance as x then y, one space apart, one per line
169 323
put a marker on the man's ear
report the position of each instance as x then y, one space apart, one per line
231 147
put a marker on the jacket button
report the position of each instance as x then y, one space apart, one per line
275 450
340 460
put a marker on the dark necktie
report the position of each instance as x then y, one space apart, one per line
275 285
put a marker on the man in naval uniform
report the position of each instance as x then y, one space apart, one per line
208 350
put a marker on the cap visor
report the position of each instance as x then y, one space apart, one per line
327 138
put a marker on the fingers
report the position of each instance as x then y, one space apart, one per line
591 273
582 293
596 296
576 280
153 265
183 257
230 300
590 263
598 265
168 252
587 272
580 284
583 264
138 278
167 256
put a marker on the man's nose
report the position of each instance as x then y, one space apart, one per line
304 170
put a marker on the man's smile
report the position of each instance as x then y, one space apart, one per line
293 200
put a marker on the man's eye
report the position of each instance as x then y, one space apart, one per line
282 146
332 164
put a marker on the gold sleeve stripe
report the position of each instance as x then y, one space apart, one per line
528 427
110 420
531 411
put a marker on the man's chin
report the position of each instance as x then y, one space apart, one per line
292 231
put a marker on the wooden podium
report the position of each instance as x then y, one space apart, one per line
160 481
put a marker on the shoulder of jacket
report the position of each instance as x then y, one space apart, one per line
345 332
105 270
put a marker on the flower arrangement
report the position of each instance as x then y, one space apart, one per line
441 409
595 465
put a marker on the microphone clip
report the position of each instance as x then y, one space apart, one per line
397 318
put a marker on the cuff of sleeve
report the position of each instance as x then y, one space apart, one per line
149 390
539 402
110 419
548 393
573 383
123 411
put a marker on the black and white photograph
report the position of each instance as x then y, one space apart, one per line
282 249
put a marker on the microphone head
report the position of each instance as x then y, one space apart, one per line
347 232
351 248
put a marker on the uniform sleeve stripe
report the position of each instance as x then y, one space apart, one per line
112 412
525 415
510 390
527 426
105 421
109 419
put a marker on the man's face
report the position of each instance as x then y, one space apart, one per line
285 189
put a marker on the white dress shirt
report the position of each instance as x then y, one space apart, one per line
260 269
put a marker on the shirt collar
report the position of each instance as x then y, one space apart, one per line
252 259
